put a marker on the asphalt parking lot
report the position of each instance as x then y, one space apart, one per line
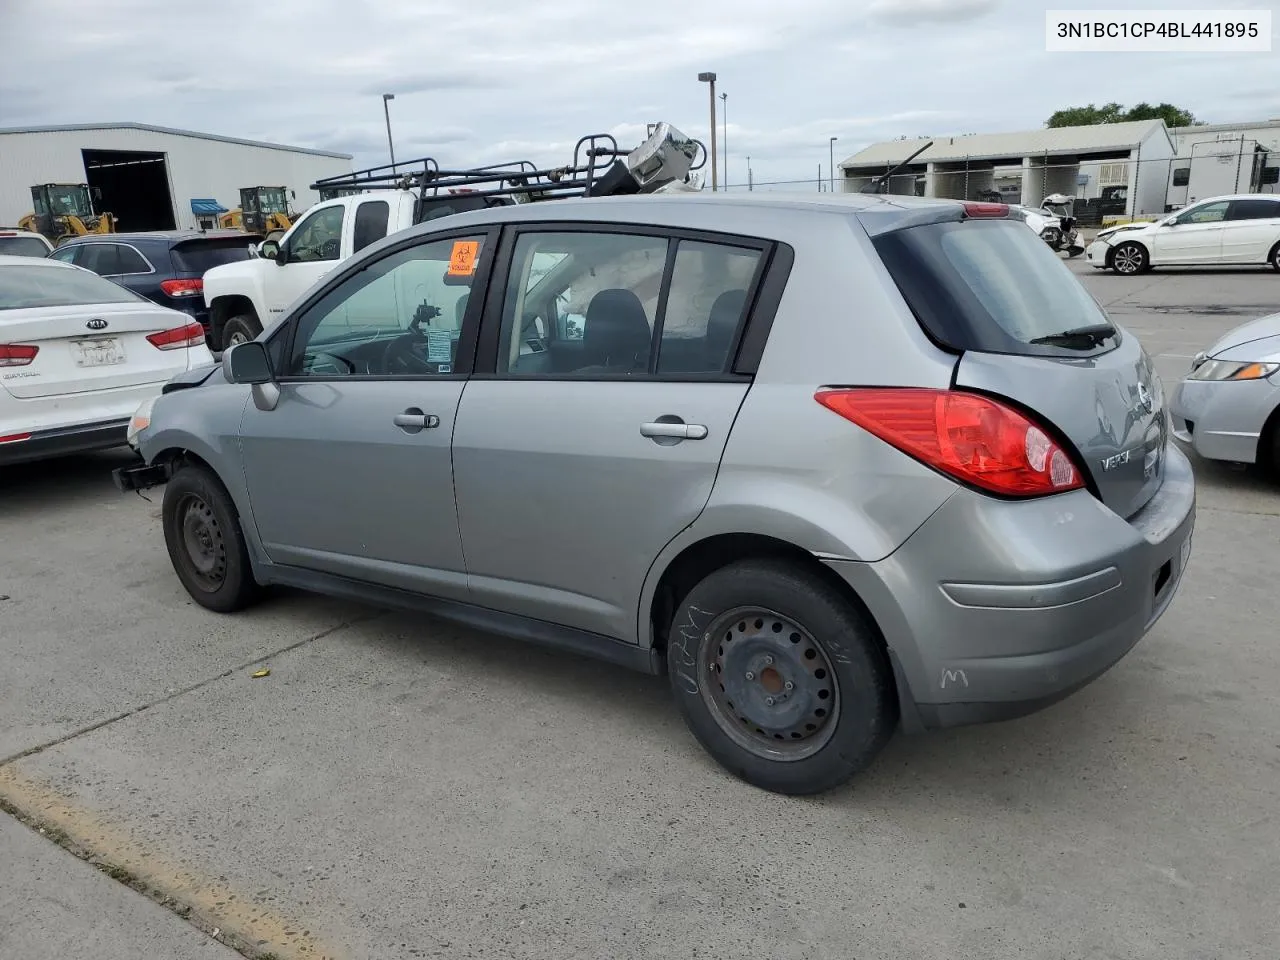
398 788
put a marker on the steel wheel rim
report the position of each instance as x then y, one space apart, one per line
203 546
769 684
1127 260
235 338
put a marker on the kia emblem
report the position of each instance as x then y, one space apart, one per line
97 324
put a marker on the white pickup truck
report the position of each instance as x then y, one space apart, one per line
246 296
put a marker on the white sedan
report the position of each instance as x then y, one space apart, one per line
1221 231
78 355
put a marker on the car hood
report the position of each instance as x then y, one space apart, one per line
1124 230
1253 341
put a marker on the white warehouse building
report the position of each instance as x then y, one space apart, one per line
1127 164
154 178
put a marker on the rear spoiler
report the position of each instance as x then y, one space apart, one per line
667 159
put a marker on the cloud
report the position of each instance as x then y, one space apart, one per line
430 81
919 12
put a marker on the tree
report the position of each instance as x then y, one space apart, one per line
1116 113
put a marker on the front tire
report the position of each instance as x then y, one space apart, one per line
205 543
240 329
781 677
1273 257
1130 259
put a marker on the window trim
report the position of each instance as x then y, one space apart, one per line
763 298
283 337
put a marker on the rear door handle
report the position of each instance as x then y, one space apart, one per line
677 431
413 420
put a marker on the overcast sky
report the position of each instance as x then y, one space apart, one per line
500 79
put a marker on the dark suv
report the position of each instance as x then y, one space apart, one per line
164 266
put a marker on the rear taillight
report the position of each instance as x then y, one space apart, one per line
191 335
191 287
986 209
972 438
17 354
15 438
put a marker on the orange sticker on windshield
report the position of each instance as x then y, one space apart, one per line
462 262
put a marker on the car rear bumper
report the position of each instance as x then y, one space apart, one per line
1222 420
995 609
81 438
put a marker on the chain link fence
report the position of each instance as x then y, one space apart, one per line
1104 191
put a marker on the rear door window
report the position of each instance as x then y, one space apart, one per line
1254 210
991 286
371 223
102 258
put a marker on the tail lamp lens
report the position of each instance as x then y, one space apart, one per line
190 335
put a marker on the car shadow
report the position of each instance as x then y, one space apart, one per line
61 479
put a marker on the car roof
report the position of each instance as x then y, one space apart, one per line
160 236
710 211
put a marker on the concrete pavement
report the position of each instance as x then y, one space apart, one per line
54 906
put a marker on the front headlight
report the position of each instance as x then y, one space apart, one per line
140 421
1232 370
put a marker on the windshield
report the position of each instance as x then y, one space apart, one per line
992 286
68 199
45 285
23 246
199 256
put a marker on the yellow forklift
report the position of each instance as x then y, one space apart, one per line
65 210
262 210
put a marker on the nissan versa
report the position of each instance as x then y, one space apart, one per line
835 465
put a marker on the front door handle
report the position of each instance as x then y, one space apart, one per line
674 430
414 420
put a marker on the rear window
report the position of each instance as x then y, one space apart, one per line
989 285
45 285
23 247
201 255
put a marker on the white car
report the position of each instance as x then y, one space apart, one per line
78 355
1222 231
23 243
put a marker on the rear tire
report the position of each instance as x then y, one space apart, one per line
1274 257
240 329
1130 259
206 545
781 677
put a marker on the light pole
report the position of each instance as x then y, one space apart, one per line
750 182
387 113
724 144
710 78
831 161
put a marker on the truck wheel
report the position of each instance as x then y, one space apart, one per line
780 677
240 329
205 543
1130 259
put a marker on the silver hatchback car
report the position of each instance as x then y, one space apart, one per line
836 465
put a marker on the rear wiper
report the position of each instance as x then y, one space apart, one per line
1081 338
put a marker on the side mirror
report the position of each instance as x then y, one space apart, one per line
270 250
247 363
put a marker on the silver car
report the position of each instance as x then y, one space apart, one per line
1228 407
834 465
